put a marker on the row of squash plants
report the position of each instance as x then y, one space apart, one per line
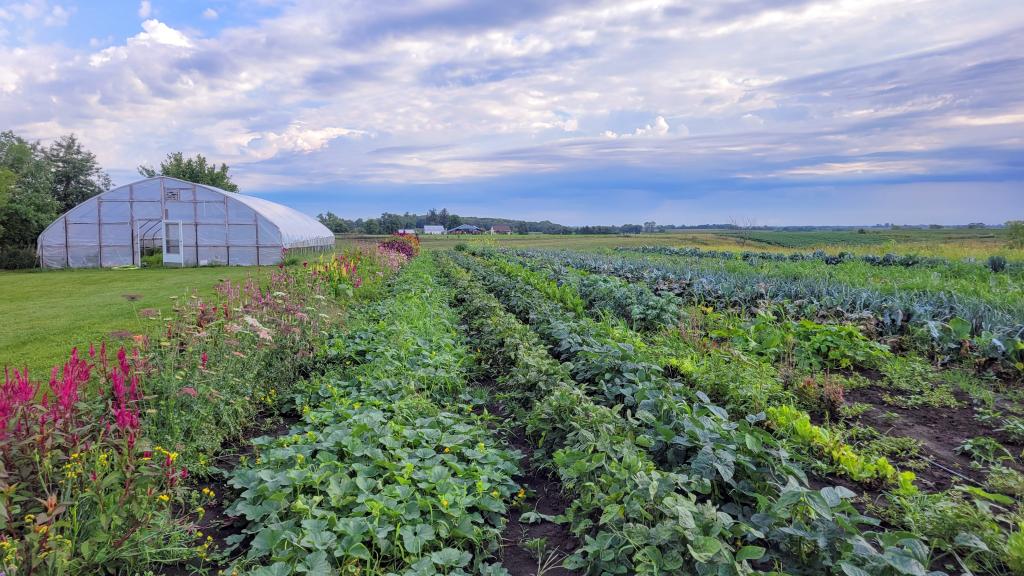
733 466
391 470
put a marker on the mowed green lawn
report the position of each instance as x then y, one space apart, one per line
43 314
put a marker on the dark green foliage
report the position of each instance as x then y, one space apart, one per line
190 169
76 174
731 493
37 184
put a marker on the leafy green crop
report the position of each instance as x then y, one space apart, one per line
386 474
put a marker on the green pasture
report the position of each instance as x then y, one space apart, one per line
44 313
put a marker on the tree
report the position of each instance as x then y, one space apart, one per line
371 226
26 196
334 223
1015 228
193 170
76 175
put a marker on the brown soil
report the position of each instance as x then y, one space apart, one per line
149 312
131 297
544 495
120 335
940 430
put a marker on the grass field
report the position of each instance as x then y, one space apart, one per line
45 313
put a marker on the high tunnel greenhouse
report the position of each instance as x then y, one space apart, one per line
189 224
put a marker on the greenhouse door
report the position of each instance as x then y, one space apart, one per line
173 243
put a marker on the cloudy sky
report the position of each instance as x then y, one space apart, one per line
774 111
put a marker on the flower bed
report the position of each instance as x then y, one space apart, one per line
96 465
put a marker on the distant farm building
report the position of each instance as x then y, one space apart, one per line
501 229
466 229
431 229
190 224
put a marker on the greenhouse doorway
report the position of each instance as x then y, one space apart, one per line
174 252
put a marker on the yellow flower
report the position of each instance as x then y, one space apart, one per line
30 518
444 502
495 493
447 450
163 497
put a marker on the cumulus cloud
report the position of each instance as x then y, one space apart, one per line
658 128
145 9
297 137
154 33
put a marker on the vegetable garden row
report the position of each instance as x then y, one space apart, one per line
689 423
797 372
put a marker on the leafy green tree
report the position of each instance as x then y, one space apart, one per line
1016 233
197 170
372 226
26 201
334 223
76 175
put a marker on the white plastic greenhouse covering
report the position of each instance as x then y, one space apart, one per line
216 227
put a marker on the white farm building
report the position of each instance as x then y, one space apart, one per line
192 224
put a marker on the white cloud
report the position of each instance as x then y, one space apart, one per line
154 34
145 9
295 138
660 127
157 32
993 120
210 14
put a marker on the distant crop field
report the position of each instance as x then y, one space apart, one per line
900 241
954 243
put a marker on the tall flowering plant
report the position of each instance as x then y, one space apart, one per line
406 244
220 361
76 484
